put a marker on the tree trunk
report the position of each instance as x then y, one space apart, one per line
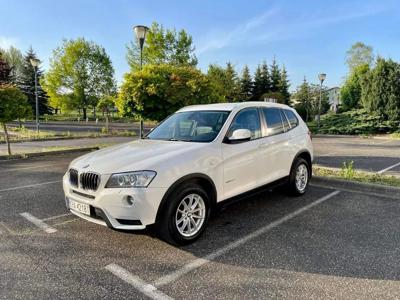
84 113
6 137
107 123
94 112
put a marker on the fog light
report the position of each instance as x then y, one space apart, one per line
129 200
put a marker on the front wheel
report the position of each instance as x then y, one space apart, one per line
186 215
299 177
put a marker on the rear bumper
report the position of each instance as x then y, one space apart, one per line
109 207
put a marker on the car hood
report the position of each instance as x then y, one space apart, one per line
133 156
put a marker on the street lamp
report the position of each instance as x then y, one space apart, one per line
140 32
35 63
321 78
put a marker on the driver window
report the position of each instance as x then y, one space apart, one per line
247 119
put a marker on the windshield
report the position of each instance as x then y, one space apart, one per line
190 126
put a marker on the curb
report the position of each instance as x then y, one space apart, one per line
375 137
37 154
66 138
378 189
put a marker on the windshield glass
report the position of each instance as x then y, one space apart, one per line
190 126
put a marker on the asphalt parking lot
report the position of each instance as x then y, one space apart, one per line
368 154
327 244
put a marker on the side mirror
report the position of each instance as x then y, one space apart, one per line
240 135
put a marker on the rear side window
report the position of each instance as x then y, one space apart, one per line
274 120
285 121
292 118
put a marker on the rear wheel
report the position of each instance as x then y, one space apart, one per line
299 177
185 216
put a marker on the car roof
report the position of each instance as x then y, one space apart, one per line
231 106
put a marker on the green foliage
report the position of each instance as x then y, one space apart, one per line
163 46
275 78
26 83
306 100
358 55
13 104
5 70
258 88
347 170
350 93
246 85
355 122
284 86
381 89
159 90
106 103
14 59
80 74
224 81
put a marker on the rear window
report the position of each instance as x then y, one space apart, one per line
274 120
292 118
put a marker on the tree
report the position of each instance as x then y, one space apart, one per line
159 90
284 86
80 74
106 104
14 59
265 78
5 70
246 85
258 88
26 83
381 89
275 77
232 84
350 93
225 81
13 105
163 46
359 54
302 100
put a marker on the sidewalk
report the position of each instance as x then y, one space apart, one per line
41 146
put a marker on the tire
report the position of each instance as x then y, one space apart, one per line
171 226
298 185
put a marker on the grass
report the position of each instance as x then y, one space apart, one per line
357 122
348 173
23 134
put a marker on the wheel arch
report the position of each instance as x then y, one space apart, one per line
202 179
306 155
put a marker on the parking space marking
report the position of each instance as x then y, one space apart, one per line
202 261
145 288
57 217
389 168
39 223
29 186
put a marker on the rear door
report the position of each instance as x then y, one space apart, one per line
275 160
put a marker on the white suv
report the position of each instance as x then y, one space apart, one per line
195 159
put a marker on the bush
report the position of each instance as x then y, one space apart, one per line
355 122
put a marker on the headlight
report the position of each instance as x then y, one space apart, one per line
131 179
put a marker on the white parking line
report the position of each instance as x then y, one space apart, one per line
388 168
56 217
145 288
202 261
39 223
29 186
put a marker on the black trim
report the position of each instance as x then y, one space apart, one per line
253 192
129 222
83 194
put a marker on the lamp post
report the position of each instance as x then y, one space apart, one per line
321 78
140 32
35 63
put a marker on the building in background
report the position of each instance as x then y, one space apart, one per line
334 98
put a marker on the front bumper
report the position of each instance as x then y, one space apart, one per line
109 206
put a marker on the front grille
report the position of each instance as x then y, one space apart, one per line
73 177
89 181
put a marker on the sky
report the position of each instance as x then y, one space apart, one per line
308 37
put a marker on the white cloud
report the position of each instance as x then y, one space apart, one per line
6 42
239 33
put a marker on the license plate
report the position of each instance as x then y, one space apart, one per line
79 207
